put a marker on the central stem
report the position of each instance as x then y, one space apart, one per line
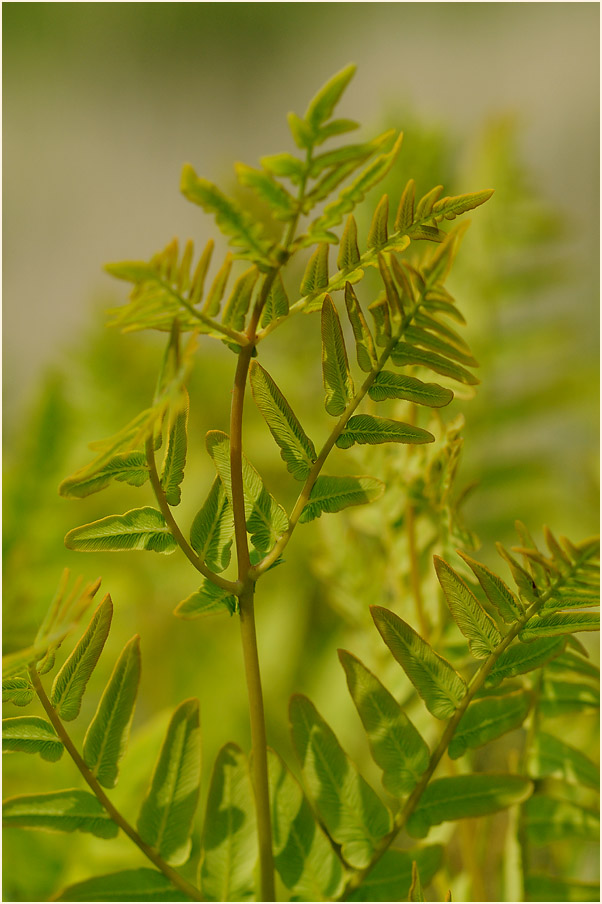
247 610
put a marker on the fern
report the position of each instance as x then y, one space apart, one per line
482 659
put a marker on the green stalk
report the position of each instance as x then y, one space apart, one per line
175 878
247 578
247 611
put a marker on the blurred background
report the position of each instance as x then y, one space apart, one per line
103 103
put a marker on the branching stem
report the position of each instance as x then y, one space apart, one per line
175 878
247 611
246 578
475 685
179 537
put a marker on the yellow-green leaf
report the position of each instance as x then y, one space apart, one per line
331 494
107 735
469 615
366 428
167 812
437 682
338 382
352 813
296 448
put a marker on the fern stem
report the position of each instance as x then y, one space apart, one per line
215 325
247 609
174 877
475 684
178 536
259 743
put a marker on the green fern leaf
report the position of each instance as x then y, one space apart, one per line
405 212
379 310
109 459
349 254
488 719
266 519
331 494
472 620
167 812
365 428
284 165
266 188
449 208
416 893
437 682
436 302
426 233
521 658
322 105
418 336
244 233
131 271
303 855
235 311
315 277
333 128
522 578
350 810
392 295
59 811
303 134
218 287
143 528
404 353
548 625
107 735
465 796
364 344
212 530
431 323
356 192
207 600
126 467
126 885
229 843
338 382
496 591
197 283
70 683
30 734
276 305
425 205
17 690
172 473
388 385
379 227
344 160
296 448
396 746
